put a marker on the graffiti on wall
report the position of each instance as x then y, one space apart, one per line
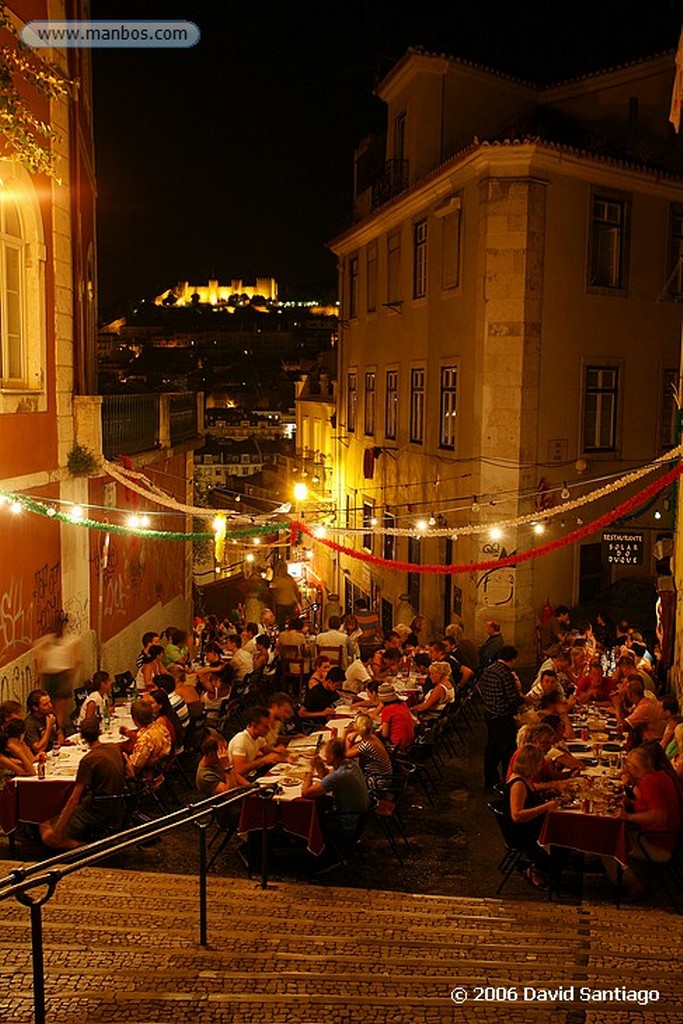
497 586
46 599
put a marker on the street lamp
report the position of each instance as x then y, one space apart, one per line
300 491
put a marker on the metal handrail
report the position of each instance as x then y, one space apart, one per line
47 874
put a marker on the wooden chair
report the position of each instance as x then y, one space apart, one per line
333 653
295 666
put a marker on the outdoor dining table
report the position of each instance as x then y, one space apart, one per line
30 800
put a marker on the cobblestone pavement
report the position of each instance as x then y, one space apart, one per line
122 946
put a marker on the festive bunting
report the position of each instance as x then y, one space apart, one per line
636 501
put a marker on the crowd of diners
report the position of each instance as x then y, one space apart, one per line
611 671
184 678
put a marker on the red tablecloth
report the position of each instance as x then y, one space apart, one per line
298 817
601 834
32 801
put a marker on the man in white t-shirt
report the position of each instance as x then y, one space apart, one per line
241 662
335 637
248 749
356 676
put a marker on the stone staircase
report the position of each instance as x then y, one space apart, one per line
123 946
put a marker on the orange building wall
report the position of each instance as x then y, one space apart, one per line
30 578
140 571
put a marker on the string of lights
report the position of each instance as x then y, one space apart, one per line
300 528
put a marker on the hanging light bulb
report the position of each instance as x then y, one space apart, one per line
145 522
373 521
495 533
256 541
564 493
76 513
249 557
421 525
16 507
658 514
538 528
432 520
320 532
134 521
475 504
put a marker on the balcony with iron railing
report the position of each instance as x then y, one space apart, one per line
114 425
389 181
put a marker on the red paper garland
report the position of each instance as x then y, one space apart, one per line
522 556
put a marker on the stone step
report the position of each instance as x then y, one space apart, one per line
123 946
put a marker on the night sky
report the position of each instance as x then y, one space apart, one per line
235 158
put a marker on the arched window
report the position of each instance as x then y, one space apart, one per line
12 354
22 292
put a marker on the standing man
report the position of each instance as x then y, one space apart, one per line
501 692
488 652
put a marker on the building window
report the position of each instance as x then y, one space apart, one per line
608 242
391 406
417 405
351 400
601 393
450 250
12 369
420 259
400 136
675 284
394 268
670 385
448 406
369 417
368 514
389 541
372 277
353 286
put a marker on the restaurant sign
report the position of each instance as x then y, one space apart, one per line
619 547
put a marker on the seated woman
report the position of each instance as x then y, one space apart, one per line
98 699
11 762
321 666
152 665
167 716
526 808
363 743
441 693
215 775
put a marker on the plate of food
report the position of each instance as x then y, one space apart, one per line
579 747
290 780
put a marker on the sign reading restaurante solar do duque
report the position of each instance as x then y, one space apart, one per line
619 547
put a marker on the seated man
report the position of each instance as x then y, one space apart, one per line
249 750
148 639
216 676
344 779
241 661
41 722
554 631
282 727
646 718
558 665
656 807
321 698
335 637
152 741
101 774
595 686
356 676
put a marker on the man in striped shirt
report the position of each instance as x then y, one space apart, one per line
501 692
